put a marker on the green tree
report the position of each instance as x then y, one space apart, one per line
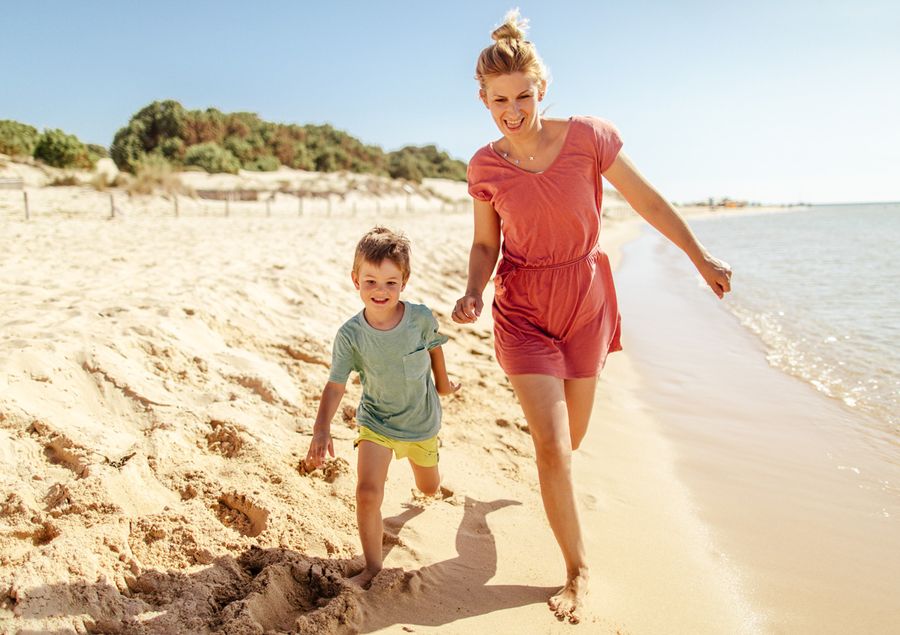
17 139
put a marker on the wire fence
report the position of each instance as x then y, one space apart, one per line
88 203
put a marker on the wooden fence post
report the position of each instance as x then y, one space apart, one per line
27 212
112 206
299 204
175 201
268 207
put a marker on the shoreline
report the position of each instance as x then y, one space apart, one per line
774 467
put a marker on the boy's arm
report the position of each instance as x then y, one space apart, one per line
441 380
321 441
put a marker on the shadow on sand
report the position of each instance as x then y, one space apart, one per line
281 590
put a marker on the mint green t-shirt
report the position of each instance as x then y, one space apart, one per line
399 399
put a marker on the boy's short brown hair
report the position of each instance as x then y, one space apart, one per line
380 243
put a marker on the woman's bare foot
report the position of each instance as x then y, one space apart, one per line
364 577
568 604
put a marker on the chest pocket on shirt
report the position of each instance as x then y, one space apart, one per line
416 365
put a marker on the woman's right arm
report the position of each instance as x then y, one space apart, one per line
482 259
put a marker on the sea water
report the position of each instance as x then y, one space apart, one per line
819 287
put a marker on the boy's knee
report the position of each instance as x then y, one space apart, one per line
369 493
430 489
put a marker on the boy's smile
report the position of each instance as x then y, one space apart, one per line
379 288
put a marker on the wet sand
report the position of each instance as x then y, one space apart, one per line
792 495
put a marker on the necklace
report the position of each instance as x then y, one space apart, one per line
513 159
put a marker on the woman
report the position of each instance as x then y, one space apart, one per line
555 311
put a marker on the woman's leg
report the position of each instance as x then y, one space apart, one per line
371 469
543 400
579 403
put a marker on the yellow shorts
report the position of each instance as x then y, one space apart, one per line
422 453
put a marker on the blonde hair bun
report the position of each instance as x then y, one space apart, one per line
510 52
514 27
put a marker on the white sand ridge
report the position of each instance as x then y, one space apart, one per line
159 380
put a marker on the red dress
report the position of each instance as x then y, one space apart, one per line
555 310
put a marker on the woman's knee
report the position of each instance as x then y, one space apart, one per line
553 453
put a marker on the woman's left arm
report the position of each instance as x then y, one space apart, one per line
657 211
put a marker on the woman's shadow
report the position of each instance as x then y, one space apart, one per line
282 590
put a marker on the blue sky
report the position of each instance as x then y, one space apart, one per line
778 101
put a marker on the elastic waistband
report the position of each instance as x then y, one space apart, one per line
558 265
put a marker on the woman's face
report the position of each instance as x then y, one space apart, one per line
513 102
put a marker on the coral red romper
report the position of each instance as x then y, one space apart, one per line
555 310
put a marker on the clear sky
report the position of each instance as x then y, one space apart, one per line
768 101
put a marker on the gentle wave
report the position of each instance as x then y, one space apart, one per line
818 286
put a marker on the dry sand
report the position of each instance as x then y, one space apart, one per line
158 382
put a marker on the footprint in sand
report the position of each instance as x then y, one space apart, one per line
259 386
60 450
306 351
238 512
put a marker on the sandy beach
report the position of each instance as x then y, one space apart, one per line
159 381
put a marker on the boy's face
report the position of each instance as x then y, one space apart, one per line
379 285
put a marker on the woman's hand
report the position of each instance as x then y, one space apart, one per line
717 274
467 309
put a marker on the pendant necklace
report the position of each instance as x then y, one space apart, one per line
516 161
513 159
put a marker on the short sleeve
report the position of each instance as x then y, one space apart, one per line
478 188
341 358
433 339
608 142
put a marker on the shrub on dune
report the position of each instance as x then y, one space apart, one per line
17 139
263 164
153 174
55 147
212 158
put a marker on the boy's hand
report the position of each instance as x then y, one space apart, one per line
321 442
451 388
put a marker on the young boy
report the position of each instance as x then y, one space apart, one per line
394 346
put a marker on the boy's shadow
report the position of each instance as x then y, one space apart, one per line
282 590
454 589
